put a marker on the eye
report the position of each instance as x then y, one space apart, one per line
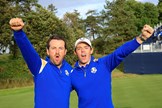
78 48
86 47
53 48
61 48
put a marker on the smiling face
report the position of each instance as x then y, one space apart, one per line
83 52
56 51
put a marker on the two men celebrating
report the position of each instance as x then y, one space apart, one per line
54 78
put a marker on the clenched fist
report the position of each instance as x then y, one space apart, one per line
16 24
147 31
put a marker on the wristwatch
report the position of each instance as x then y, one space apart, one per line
142 39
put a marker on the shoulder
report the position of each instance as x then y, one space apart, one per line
95 60
67 65
43 64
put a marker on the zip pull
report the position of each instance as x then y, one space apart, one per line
85 73
60 71
83 69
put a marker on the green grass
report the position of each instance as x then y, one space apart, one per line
129 91
24 98
16 98
143 91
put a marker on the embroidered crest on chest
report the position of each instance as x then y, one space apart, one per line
93 70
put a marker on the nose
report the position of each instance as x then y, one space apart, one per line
82 49
57 51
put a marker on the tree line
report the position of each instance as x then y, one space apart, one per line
119 21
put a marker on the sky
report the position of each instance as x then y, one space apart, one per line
82 6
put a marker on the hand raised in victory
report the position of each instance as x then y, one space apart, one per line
147 31
16 24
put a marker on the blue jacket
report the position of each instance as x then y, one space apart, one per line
93 82
52 85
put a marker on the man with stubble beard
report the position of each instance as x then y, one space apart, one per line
51 76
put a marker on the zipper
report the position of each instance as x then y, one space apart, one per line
85 73
82 69
60 71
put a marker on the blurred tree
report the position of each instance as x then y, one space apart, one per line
42 23
91 24
150 14
10 9
120 20
5 12
159 6
73 21
76 29
52 8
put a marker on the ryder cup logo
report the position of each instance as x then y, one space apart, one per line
93 70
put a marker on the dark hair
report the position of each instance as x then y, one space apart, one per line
55 37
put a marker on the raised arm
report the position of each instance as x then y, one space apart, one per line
29 54
115 58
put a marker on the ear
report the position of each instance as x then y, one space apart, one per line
65 51
75 52
91 50
47 51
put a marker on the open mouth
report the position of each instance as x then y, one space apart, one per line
83 55
16 25
57 57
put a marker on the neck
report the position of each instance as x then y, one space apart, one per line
59 66
84 64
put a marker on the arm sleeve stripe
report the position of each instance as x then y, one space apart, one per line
43 65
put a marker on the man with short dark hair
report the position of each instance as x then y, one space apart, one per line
91 78
51 76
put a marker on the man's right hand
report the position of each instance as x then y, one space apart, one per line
16 24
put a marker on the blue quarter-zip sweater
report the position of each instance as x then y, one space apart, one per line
52 85
93 82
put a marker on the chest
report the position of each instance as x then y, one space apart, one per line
52 77
97 75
